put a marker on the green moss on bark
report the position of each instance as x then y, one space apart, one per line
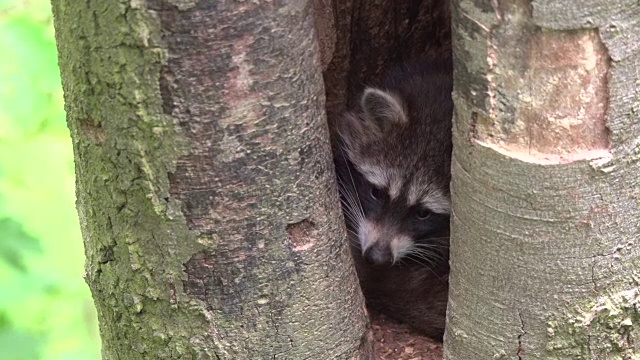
205 185
607 327
136 239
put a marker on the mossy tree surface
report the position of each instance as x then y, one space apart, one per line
204 181
546 189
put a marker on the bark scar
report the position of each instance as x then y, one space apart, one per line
301 235
92 130
548 94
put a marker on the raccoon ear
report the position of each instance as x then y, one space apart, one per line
382 107
353 131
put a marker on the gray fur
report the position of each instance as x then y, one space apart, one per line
399 139
393 162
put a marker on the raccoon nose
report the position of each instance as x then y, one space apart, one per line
380 255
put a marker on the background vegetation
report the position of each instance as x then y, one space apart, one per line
46 311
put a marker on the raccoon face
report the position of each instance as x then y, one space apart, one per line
394 177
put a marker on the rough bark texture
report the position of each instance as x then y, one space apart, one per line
204 180
545 256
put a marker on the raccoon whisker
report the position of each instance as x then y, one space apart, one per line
435 255
422 264
348 207
351 215
350 221
352 232
435 238
348 198
352 207
426 250
426 254
352 181
426 265
356 246
351 203
401 261
430 246
427 242
423 256
354 241
429 256
435 247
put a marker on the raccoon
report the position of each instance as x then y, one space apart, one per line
393 164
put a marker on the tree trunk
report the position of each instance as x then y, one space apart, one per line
205 187
545 257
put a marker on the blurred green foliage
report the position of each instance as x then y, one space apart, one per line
46 311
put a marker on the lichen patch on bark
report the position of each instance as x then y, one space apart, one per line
610 320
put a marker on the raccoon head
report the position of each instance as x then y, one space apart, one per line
394 177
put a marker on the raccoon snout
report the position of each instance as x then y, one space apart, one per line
382 244
378 254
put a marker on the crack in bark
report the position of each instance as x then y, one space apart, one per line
596 256
522 333
277 334
107 254
593 276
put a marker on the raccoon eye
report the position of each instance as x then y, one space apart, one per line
376 194
423 214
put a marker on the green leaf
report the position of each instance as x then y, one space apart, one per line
46 311
5 4
14 242
19 345
29 76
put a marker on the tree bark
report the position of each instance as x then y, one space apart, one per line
544 254
205 187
